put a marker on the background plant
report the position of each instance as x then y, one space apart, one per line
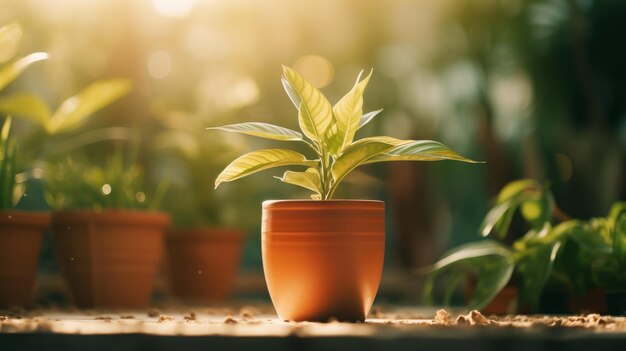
574 254
117 184
329 131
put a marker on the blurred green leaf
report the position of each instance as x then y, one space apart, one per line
74 111
534 264
347 112
492 263
10 191
314 112
262 130
617 222
260 160
536 206
27 106
10 36
10 71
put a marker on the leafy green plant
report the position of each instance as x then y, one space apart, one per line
329 131
11 190
576 254
114 185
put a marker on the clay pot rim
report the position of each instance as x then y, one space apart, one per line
118 216
321 204
26 218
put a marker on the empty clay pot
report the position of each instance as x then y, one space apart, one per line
109 258
202 264
323 259
20 242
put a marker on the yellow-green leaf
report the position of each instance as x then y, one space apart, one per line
74 111
314 112
366 118
310 179
347 112
360 152
420 150
260 160
26 106
10 36
263 130
12 70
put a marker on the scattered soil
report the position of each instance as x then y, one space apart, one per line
230 320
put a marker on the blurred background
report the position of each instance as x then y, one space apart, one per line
535 88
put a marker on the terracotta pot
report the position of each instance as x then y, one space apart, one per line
592 301
323 259
20 243
202 263
109 258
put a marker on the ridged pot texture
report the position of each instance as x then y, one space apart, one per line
323 259
109 258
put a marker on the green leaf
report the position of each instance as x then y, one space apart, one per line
27 106
74 111
529 194
260 160
492 263
534 264
314 112
263 130
420 150
292 93
366 118
360 152
10 71
310 179
617 223
347 112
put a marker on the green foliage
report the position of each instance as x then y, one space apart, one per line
330 131
528 195
492 264
11 190
115 185
72 113
577 254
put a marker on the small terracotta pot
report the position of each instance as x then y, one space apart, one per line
323 259
202 263
20 244
109 258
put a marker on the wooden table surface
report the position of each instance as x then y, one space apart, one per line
256 327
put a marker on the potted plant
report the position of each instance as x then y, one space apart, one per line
20 231
570 255
323 258
205 242
107 236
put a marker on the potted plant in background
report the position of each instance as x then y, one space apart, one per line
203 247
570 256
323 258
20 231
107 236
